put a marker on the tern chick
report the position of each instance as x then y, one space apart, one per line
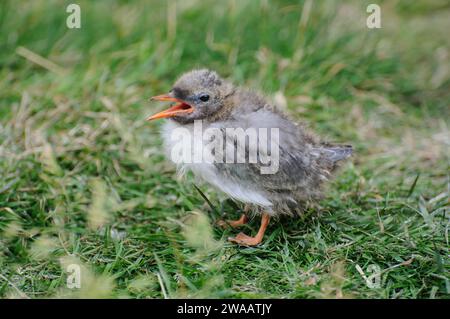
300 162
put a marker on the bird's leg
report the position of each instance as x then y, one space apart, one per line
235 223
243 239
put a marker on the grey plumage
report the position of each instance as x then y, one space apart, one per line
305 162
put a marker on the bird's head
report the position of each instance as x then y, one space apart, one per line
198 95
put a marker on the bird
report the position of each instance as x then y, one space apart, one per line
304 164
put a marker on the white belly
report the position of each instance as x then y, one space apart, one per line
208 172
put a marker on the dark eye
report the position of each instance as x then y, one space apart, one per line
204 97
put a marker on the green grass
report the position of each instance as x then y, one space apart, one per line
84 179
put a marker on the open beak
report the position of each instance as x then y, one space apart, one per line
179 108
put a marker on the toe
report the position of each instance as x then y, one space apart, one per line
243 239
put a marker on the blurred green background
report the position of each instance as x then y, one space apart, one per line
84 180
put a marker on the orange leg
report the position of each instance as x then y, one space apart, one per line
233 223
245 240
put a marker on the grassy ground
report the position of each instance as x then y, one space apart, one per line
83 178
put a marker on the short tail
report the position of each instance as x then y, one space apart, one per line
336 153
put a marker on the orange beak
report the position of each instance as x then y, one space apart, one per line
180 108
